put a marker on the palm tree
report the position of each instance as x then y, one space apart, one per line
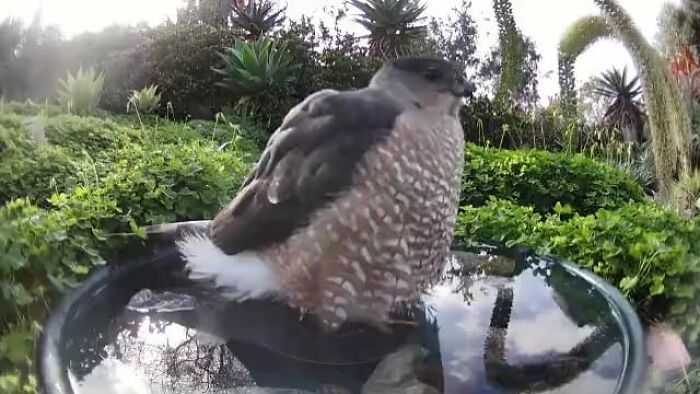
624 112
256 17
393 25
669 118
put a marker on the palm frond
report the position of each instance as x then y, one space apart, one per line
257 16
624 112
393 25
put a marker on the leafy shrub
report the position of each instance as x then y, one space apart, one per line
45 251
168 183
180 57
42 254
486 122
146 100
12 121
13 134
89 134
649 252
80 94
36 173
228 131
541 179
30 108
234 130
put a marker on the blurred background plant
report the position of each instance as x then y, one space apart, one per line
80 93
146 100
255 69
624 110
394 26
256 17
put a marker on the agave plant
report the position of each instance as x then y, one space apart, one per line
145 100
256 17
393 25
624 111
253 68
80 93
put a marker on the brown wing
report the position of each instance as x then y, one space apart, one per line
308 162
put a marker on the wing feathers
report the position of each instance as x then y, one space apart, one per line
308 162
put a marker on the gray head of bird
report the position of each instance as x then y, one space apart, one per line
428 83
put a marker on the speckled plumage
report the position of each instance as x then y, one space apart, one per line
352 205
386 237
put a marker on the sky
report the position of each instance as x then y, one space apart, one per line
544 22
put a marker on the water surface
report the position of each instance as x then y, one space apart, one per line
491 325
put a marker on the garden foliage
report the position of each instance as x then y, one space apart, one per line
67 206
541 179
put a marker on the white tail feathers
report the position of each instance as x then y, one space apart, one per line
239 277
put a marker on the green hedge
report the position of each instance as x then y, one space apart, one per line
171 182
37 172
540 179
29 108
648 252
13 140
74 207
45 251
13 134
89 134
148 184
42 253
12 121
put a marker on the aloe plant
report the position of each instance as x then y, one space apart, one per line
254 68
393 25
145 100
80 93
256 17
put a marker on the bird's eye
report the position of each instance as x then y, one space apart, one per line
433 74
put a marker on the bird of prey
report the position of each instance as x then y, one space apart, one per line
351 207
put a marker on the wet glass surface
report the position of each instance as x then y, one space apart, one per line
491 325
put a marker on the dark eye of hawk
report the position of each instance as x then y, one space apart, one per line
433 74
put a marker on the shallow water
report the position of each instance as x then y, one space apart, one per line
510 326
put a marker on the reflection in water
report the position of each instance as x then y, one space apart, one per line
492 325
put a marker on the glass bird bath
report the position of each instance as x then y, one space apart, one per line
499 321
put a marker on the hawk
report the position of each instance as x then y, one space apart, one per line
350 209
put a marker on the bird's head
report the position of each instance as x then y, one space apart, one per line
428 82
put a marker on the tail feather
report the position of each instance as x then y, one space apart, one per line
238 277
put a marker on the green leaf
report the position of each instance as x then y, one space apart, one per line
628 283
16 346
